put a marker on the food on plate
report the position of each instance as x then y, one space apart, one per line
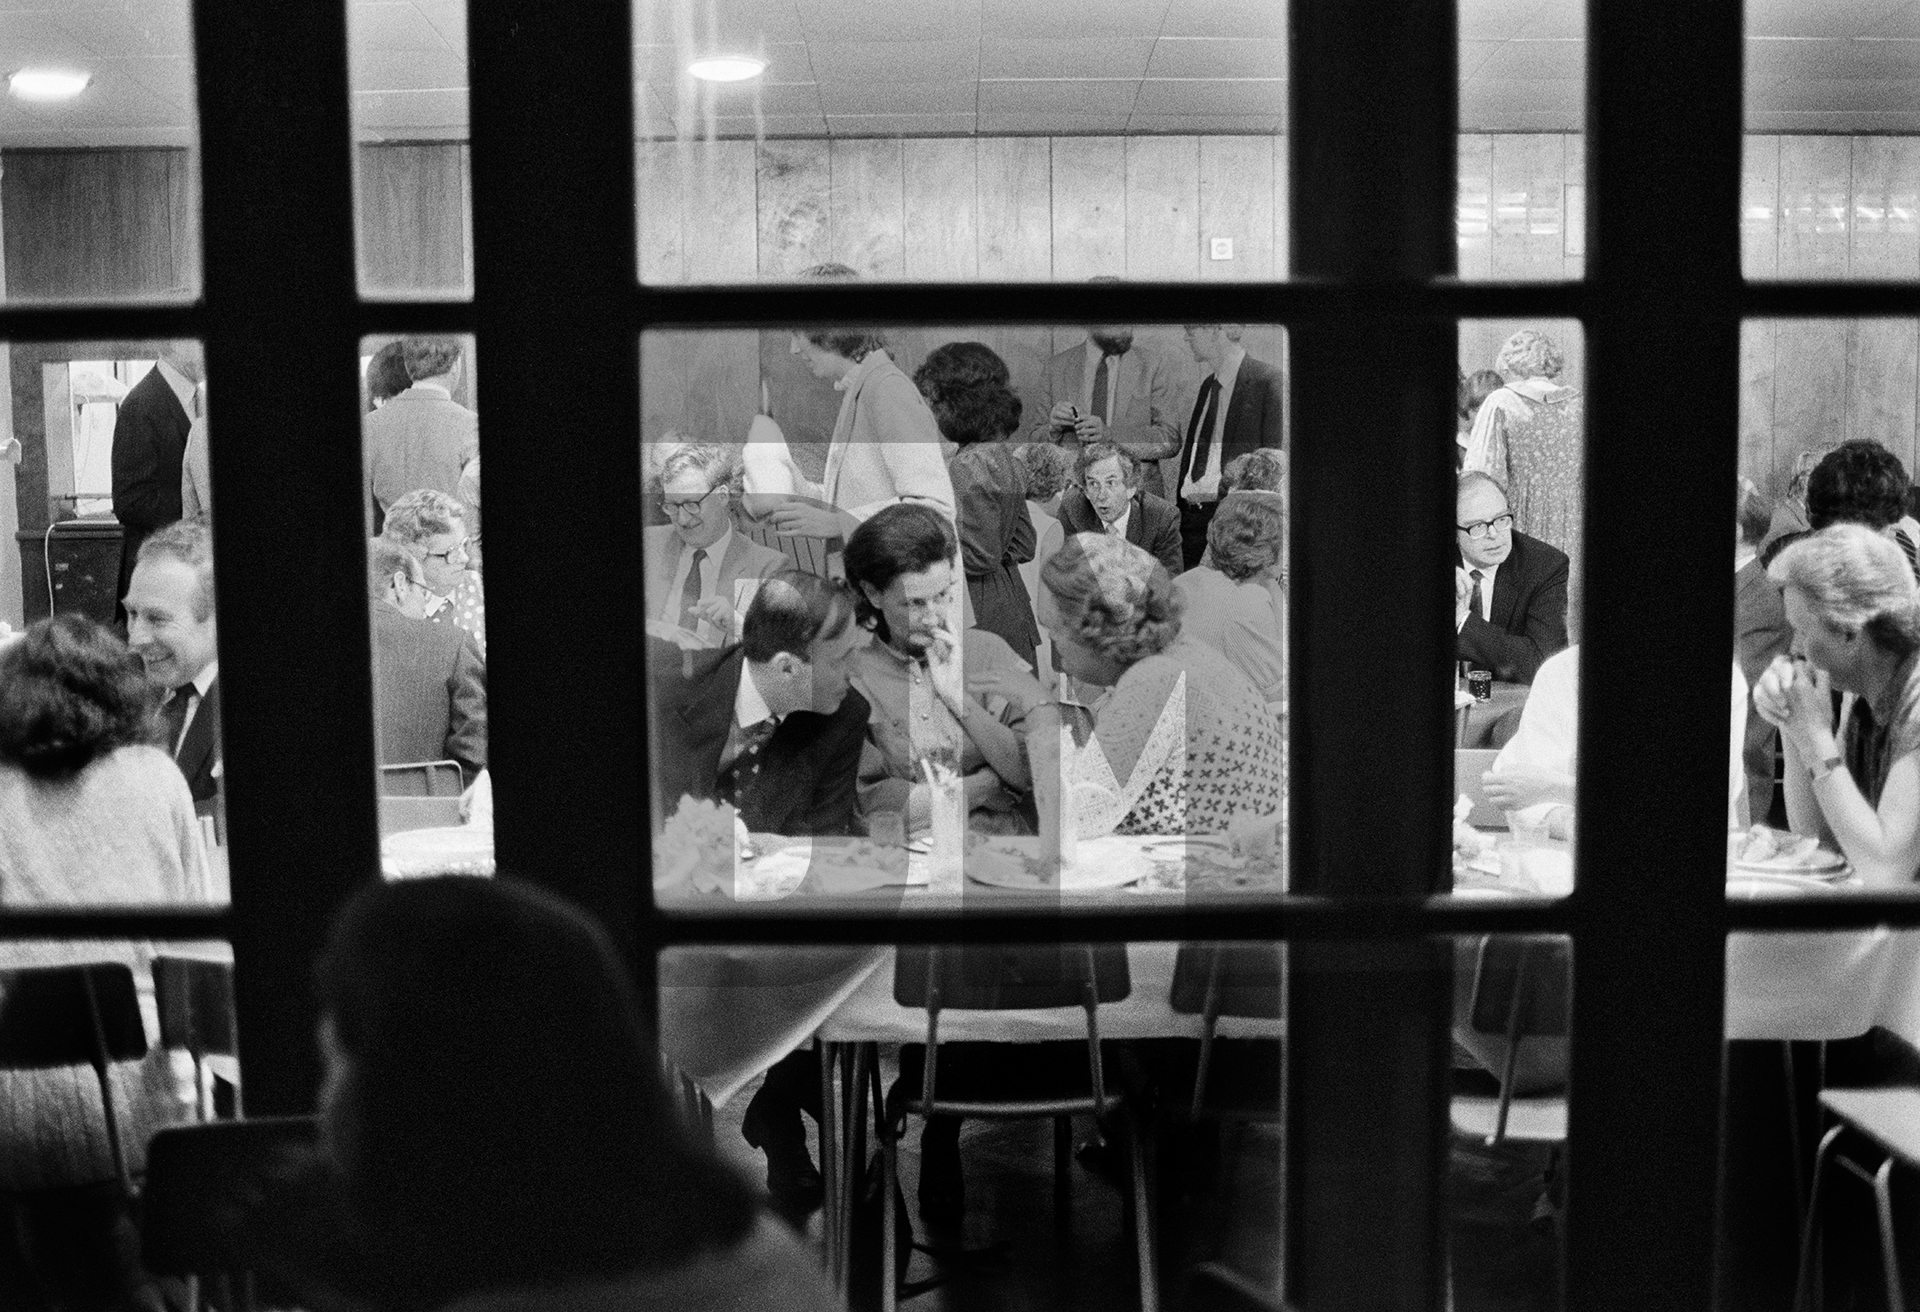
1764 844
1469 842
699 846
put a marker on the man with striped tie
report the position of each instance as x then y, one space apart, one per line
1509 590
1241 406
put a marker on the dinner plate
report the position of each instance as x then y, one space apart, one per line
1819 861
1014 863
458 850
1775 885
1180 848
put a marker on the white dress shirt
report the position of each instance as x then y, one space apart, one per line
1486 594
709 581
201 682
1204 485
749 709
1118 528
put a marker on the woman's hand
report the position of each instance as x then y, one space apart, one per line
1797 698
1023 692
806 519
1515 790
943 667
1770 692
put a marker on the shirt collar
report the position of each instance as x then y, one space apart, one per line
204 680
434 388
182 385
1229 368
1119 526
716 549
861 371
749 707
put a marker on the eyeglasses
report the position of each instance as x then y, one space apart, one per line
458 549
1105 486
674 506
1486 528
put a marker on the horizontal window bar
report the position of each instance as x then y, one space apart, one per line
1824 300
115 922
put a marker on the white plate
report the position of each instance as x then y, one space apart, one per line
1771 885
1821 862
1101 864
1179 849
460 850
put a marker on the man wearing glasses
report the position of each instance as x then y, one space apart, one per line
1509 590
694 560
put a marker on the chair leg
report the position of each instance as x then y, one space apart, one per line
1889 1255
838 1189
1137 1148
1805 1275
114 1146
889 1240
1063 1171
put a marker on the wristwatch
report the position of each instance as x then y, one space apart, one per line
1827 766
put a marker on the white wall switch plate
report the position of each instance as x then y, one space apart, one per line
1223 248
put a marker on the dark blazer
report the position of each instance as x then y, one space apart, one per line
429 691
1760 632
808 769
1529 612
149 443
200 748
1153 526
1256 414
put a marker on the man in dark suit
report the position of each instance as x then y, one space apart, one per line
1760 632
1111 388
773 726
429 680
149 444
172 627
1510 590
1241 407
1109 499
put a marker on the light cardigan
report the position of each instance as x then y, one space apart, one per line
886 446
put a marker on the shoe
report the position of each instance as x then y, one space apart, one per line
943 1187
1104 1159
793 1182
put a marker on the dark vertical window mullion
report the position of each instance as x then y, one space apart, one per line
289 554
1372 128
1664 121
554 275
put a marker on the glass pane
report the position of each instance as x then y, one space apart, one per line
1520 444
420 439
760 471
952 141
408 64
107 619
98 133
1522 173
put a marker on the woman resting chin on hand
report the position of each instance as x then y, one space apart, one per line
1851 599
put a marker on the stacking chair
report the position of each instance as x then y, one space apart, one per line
196 1015
1469 763
79 1015
1870 1124
422 779
1011 979
399 814
1216 1288
1521 990
202 1182
1233 979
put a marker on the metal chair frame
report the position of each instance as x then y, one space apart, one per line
429 770
1879 1179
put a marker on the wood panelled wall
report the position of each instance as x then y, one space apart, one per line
100 224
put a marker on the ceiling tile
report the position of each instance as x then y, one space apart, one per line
1821 18
1555 18
1473 54
1521 120
1848 94
1196 124
1088 96
449 19
737 126
391 25
1072 19
1112 57
410 109
740 98
1041 124
1514 95
1213 97
1249 18
731 23
123 135
172 77
1834 58
406 70
1537 60
1218 57
841 98
894 61
1496 20
901 125
1904 122
1902 22
159 29
40 39
890 20
115 100
786 61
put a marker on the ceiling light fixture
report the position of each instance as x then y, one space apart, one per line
47 83
727 68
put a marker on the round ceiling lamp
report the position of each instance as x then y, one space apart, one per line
47 83
727 68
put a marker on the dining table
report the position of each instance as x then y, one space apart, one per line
1490 722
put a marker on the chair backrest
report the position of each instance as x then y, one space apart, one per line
1010 978
1239 979
399 814
202 1183
196 1005
1469 763
80 1015
1522 986
422 779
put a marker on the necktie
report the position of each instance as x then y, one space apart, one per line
1473 598
1200 431
745 760
174 715
690 593
1100 387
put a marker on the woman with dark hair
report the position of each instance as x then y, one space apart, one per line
91 811
965 385
495 1132
885 446
387 375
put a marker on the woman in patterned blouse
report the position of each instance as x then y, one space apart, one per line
1183 744
431 527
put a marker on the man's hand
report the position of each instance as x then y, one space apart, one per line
801 518
1090 428
716 611
1462 596
1063 417
1514 790
1023 691
982 788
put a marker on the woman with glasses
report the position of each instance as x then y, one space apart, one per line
431 527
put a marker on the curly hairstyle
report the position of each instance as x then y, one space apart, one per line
1474 391
1094 452
1047 467
965 384
1529 353
855 344
1263 469
1858 482
720 464
1113 596
71 692
429 357
1247 534
1858 581
422 514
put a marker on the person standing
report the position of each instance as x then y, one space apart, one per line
1530 436
1109 388
1241 406
172 627
149 449
422 438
